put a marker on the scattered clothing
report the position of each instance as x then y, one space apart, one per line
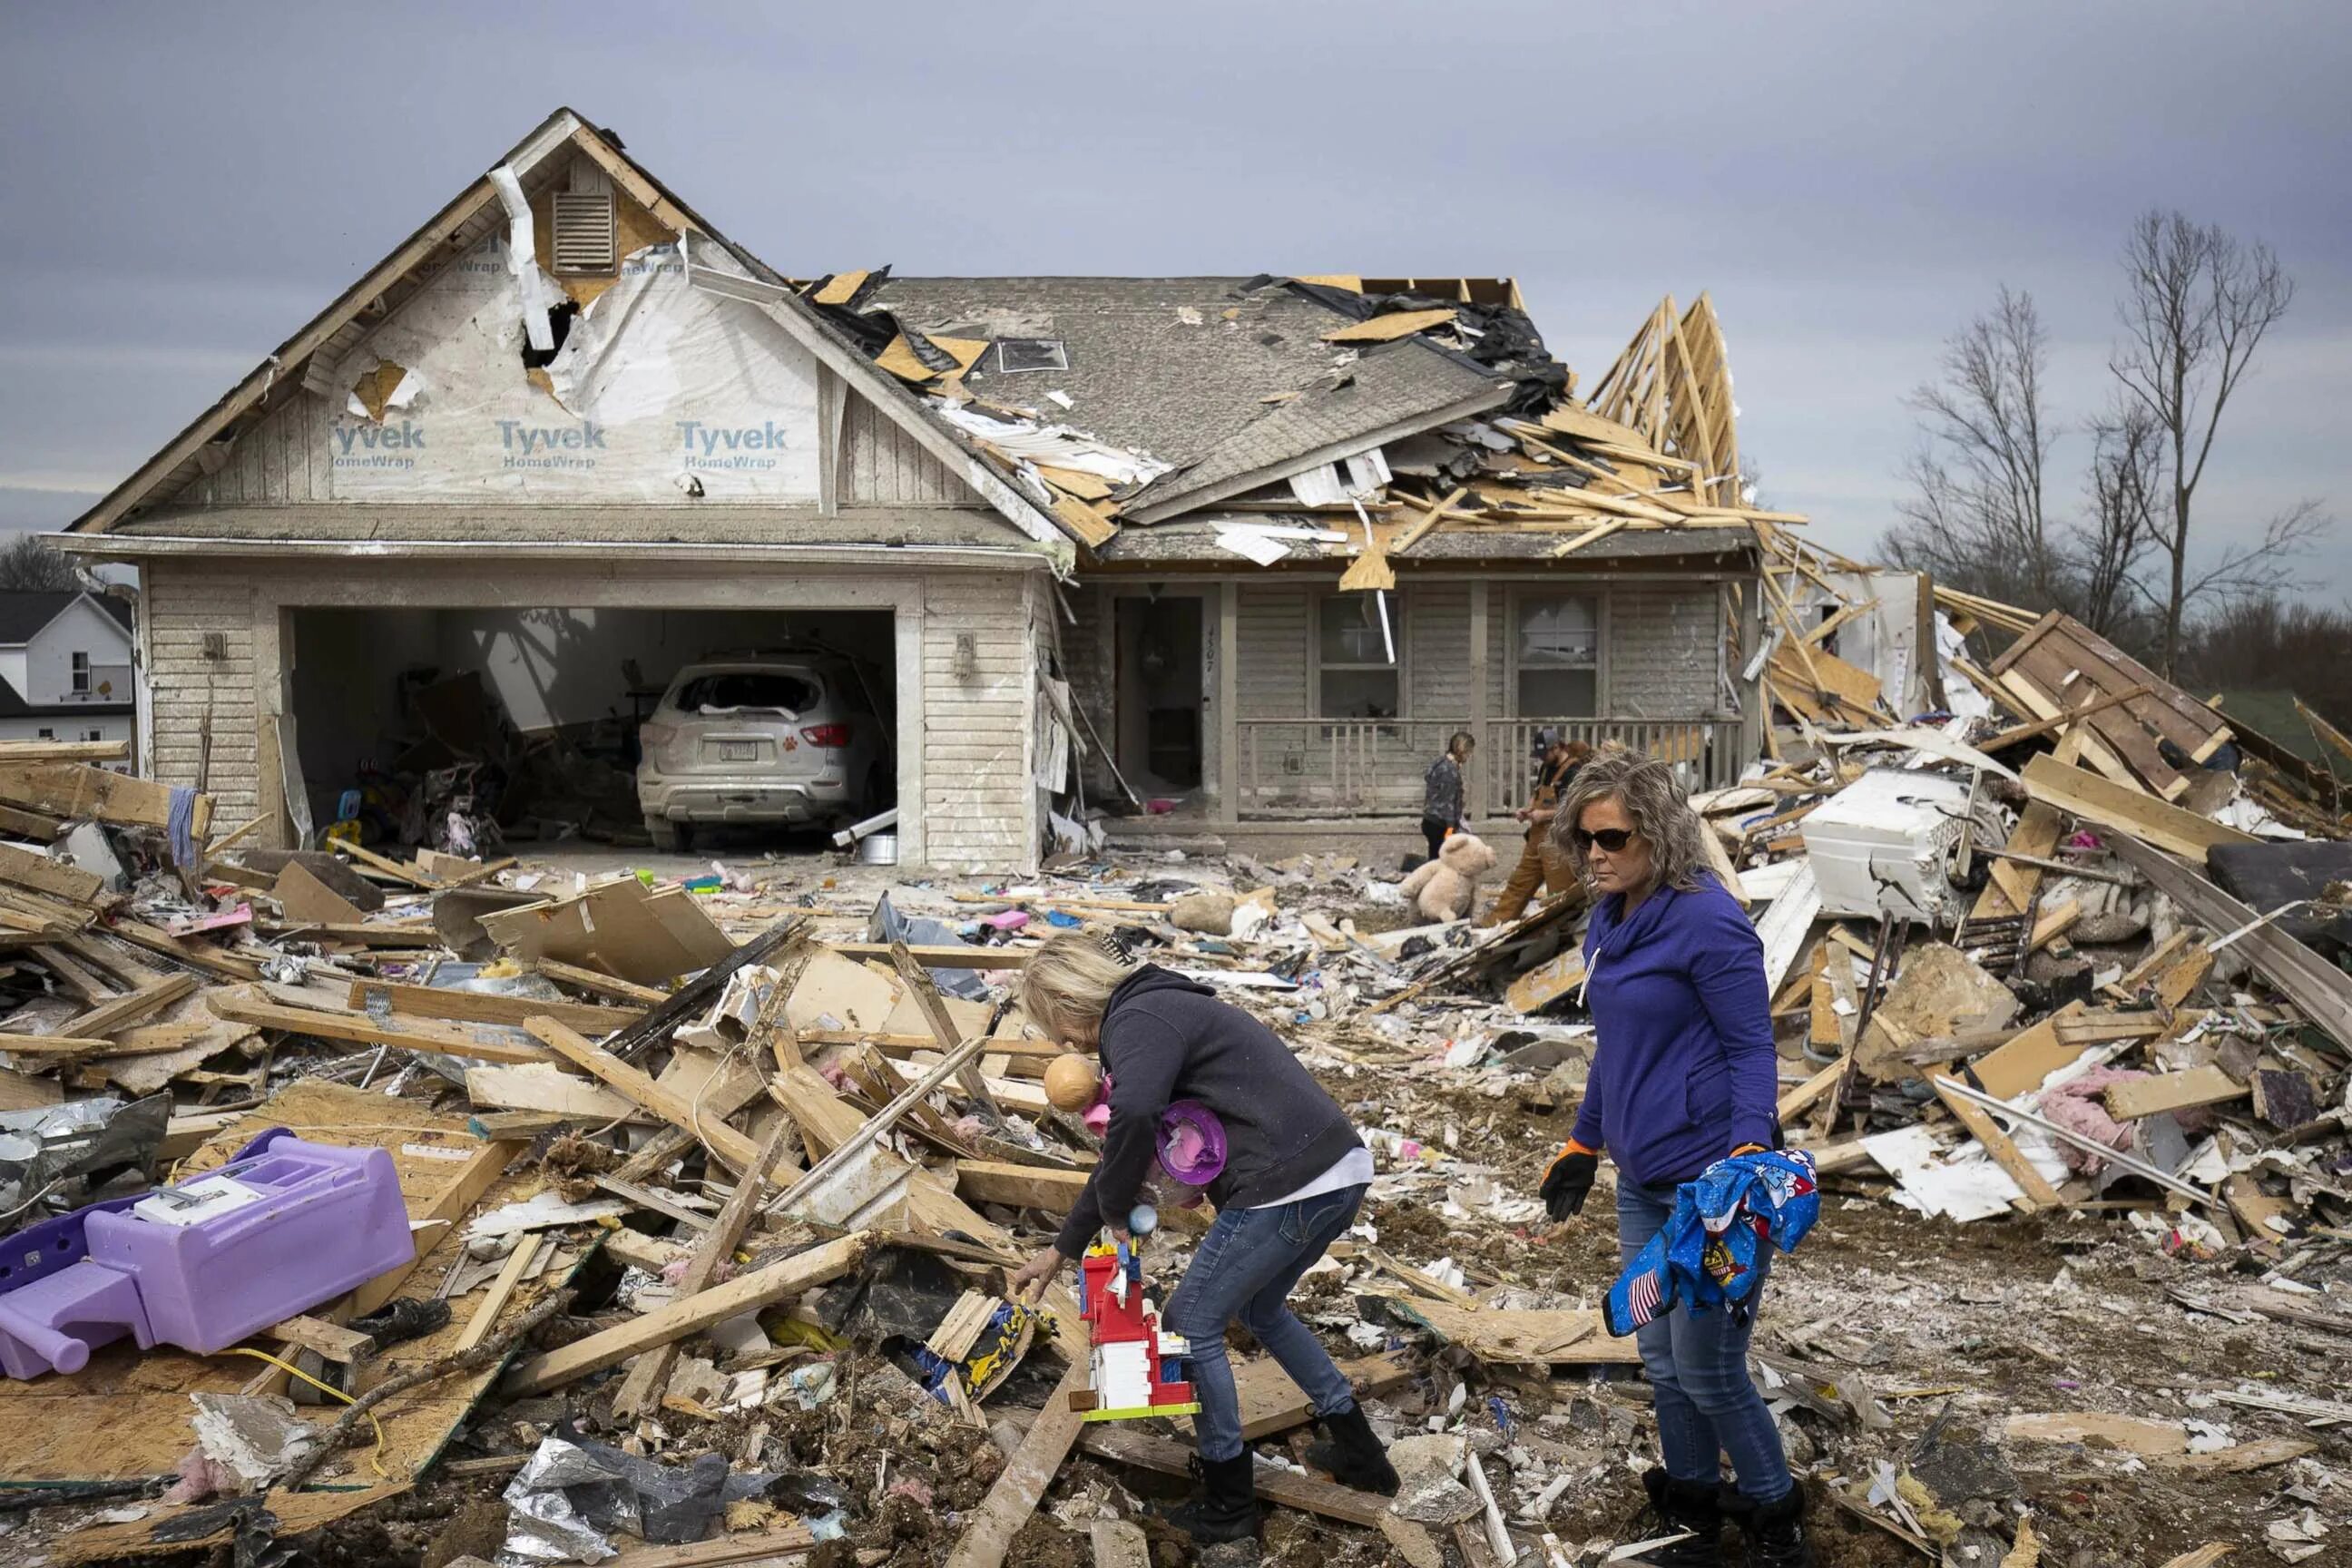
1712 1249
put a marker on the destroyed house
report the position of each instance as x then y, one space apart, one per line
1217 553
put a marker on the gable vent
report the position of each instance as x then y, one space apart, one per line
584 237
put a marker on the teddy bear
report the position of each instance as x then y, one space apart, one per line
1445 888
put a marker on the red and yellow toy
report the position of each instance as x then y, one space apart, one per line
1135 1370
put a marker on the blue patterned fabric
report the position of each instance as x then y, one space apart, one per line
1704 1256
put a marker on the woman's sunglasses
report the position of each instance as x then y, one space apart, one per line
1612 839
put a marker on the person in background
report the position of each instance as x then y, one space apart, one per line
1542 863
1295 1174
1442 802
1683 1075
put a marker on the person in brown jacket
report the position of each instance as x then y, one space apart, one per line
1541 863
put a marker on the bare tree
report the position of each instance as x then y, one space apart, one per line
2106 550
28 561
2197 304
1977 513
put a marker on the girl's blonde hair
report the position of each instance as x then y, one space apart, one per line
1066 984
1654 798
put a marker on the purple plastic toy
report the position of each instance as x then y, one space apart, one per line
280 1229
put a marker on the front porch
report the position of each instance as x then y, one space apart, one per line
1273 701
1292 768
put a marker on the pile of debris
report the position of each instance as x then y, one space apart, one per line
715 1186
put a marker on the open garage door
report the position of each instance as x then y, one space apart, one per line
468 730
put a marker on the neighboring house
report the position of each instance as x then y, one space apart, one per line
1095 528
64 666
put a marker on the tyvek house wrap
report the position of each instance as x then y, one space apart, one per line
658 383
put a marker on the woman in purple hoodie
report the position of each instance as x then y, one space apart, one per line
1683 1075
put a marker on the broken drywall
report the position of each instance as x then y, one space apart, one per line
659 392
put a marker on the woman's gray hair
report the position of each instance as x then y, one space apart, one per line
1654 798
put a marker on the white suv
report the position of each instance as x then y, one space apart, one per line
790 741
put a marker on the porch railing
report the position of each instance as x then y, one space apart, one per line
1372 767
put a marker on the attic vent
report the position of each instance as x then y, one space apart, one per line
1015 354
584 237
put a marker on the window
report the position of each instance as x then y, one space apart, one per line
726 692
81 674
48 734
1356 667
1556 671
93 735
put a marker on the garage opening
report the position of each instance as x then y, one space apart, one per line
469 731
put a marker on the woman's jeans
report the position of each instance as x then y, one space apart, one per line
1697 1363
1244 1269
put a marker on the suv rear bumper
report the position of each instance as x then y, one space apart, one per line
742 799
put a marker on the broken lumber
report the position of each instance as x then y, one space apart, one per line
1020 1187
359 1029
737 1150
2322 992
485 1007
2206 1085
2111 805
2039 1193
747 1293
1128 1446
640 1392
72 791
128 1009
987 1539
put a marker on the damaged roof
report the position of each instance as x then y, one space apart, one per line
1182 369
1076 407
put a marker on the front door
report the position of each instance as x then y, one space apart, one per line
1161 746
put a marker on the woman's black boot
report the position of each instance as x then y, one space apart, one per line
1776 1532
1676 1507
1354 1456
1226 1508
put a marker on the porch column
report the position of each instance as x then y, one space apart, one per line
1478 715
1229 701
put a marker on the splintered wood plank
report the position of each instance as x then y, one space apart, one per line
121 1011
988 1538
640 1392
482 1007
2206 1085
73 792
2039 1193
745 1293
2111 805
735 1148
1126 1445
359 1029
2009 893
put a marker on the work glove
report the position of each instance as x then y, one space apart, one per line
1570 1181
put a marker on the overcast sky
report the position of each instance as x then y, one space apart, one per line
183 185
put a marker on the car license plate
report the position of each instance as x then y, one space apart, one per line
738 751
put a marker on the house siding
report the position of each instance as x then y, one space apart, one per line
1665 649
883 465
195 694
978 801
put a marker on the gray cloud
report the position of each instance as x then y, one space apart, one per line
184 185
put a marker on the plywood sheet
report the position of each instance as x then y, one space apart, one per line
127 1414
